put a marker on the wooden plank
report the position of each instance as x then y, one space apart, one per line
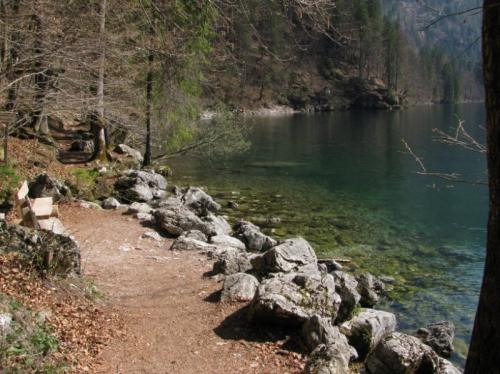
43 206
23 191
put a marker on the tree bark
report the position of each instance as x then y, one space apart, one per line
99 124
149 106
484 352
42 74
13 56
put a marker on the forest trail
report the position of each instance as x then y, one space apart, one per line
173 323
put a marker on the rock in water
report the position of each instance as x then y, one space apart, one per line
199 202
317 331
293 255
402 354
367 329
346 286
330 359
253 238
370 289
291 299
439 336
239 287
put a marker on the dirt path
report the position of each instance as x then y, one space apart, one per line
172 321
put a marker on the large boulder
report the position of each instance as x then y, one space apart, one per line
232 261
291 299
175 220
253 238
45 186
41 247
130 152
328 359
218 225
293 255
399 353
370 288
346 286
446 367
227 241
367 329
317 331
239 287
141 186
135 208
199 202
439 336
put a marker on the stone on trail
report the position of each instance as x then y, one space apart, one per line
183 243
140 186
439 336
227 241
151 235
175 220
239 287
45 186
346 286
253 238
367 329
293 255
291 299
139 208
399 353
144 217
111 203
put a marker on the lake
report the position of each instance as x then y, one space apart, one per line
345 183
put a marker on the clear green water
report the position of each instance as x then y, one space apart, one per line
343 181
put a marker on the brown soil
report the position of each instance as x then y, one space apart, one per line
173 321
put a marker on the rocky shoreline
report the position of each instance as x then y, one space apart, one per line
283 282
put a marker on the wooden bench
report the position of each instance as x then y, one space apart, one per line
34 213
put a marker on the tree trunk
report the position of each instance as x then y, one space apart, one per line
42 75
99 124
12 58
484 353
6 144
149 105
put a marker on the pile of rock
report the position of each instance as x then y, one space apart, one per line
50 252
285 286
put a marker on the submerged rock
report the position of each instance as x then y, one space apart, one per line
293 255
239 287
291 299
367 329
439 336
253 238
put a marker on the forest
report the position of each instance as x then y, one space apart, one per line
152 67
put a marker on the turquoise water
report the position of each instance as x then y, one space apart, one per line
344 182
